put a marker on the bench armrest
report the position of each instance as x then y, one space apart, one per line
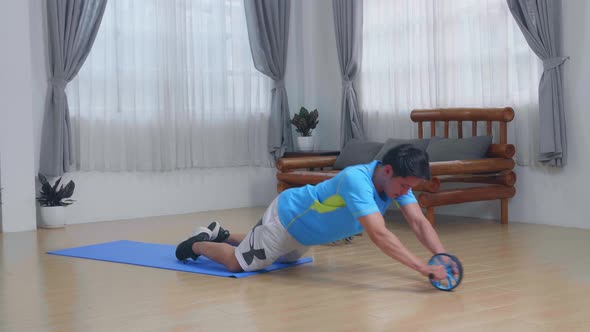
289 164
501 151
485 165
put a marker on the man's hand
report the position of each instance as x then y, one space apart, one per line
438 272
448 261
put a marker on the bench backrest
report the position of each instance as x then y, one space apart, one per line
450 115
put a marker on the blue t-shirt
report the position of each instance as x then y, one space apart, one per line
328 211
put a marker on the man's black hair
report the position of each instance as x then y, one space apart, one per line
408 160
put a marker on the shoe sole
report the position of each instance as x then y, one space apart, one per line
218 234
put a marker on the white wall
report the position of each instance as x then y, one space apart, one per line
559 197
16 118
99 196
312 80
122 195
545 196
108 196
548 195
313 62
111 196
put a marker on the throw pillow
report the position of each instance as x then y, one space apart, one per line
357 152
393 142
446 149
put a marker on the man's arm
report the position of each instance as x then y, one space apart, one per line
390 244
422 228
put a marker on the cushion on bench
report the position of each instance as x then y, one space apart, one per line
393 142
447 149
357 152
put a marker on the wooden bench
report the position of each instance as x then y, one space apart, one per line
489 178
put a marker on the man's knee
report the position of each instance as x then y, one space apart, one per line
234 266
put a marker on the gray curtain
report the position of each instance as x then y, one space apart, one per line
348 24
540 22
73 25
268 32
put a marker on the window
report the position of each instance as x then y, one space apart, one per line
445 53
170 84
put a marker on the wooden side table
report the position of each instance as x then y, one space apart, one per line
296 154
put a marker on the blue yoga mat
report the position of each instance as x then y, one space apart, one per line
159 256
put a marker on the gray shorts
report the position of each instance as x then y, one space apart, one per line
268 242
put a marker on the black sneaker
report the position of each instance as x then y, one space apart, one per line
184 250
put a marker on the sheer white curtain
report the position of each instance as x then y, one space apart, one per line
446 53
170 84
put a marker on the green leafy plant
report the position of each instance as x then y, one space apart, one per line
52 196
305 121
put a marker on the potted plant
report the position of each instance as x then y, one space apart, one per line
305 122
53 202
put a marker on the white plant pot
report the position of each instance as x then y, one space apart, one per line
52 216
305 143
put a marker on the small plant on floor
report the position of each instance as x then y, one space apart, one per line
52 196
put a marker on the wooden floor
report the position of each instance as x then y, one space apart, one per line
517 278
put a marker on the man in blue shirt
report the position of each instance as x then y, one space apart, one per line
350 203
